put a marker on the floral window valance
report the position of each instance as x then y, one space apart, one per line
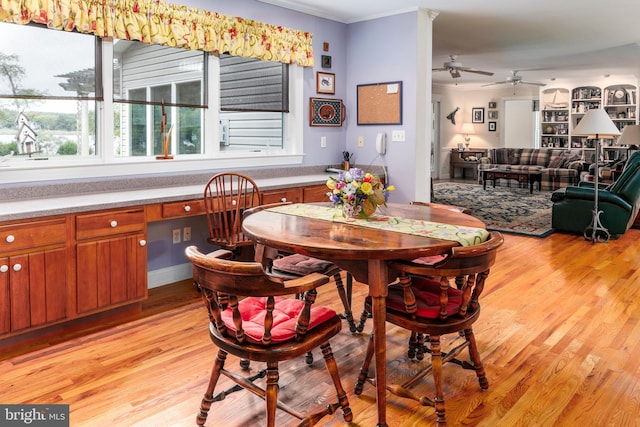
158 22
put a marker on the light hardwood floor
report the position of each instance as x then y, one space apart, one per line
559 336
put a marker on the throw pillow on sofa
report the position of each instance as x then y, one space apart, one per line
568 160
556 162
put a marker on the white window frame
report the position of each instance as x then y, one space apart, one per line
106 164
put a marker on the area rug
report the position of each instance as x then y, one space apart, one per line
506 209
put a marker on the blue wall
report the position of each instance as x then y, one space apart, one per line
374 51
383 50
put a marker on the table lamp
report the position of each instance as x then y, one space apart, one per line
467 129
630 136
595 125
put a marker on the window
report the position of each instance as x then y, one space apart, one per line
47 111
158 88
235 111
254 97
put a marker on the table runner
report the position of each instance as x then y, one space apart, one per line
466 236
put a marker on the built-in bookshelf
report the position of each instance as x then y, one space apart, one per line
620 103
563 108
554 123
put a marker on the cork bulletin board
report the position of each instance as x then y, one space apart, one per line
380 103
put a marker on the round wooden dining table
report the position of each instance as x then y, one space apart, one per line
362 251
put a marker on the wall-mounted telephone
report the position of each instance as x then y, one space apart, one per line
381 143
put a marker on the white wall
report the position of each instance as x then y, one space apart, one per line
466 99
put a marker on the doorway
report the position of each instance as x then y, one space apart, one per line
520 124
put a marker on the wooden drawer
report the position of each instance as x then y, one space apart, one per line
180 209
291 195
109 223
34 234
316 193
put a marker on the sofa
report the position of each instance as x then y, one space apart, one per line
619 202
559 167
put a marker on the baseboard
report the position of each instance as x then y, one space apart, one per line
165 276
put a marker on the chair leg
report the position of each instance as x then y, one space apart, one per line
308 358
332 367
416 346
218 365
364 370
271 395
436 363
366 314
345 297
474 354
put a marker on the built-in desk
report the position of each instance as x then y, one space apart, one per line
460 160
69 253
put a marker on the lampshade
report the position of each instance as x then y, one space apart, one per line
630 135
467 129
596 124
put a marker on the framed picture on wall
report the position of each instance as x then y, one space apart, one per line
492 126
477 115
492 105
492 114
325 82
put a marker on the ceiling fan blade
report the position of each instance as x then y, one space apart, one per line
532 83
495 83
439 69
454 73
471 70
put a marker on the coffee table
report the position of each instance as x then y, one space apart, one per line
526 177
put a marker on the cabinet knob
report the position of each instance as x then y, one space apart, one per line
10 238
143 242
4 268
114 224
187 208
284 199
17 267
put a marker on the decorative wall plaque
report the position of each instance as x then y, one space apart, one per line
326 112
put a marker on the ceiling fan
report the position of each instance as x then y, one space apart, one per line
515 79
454 68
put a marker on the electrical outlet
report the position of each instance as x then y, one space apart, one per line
176 236
323 142
361 141
186 234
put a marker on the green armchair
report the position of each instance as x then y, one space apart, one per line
619 202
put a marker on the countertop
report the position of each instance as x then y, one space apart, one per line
106 198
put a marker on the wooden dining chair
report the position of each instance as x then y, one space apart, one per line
226 196
258 322
424 301
425 260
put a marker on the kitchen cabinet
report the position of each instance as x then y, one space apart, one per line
112 259
33 274
69 267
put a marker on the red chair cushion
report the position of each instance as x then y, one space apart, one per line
429 260
285 315
427 293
